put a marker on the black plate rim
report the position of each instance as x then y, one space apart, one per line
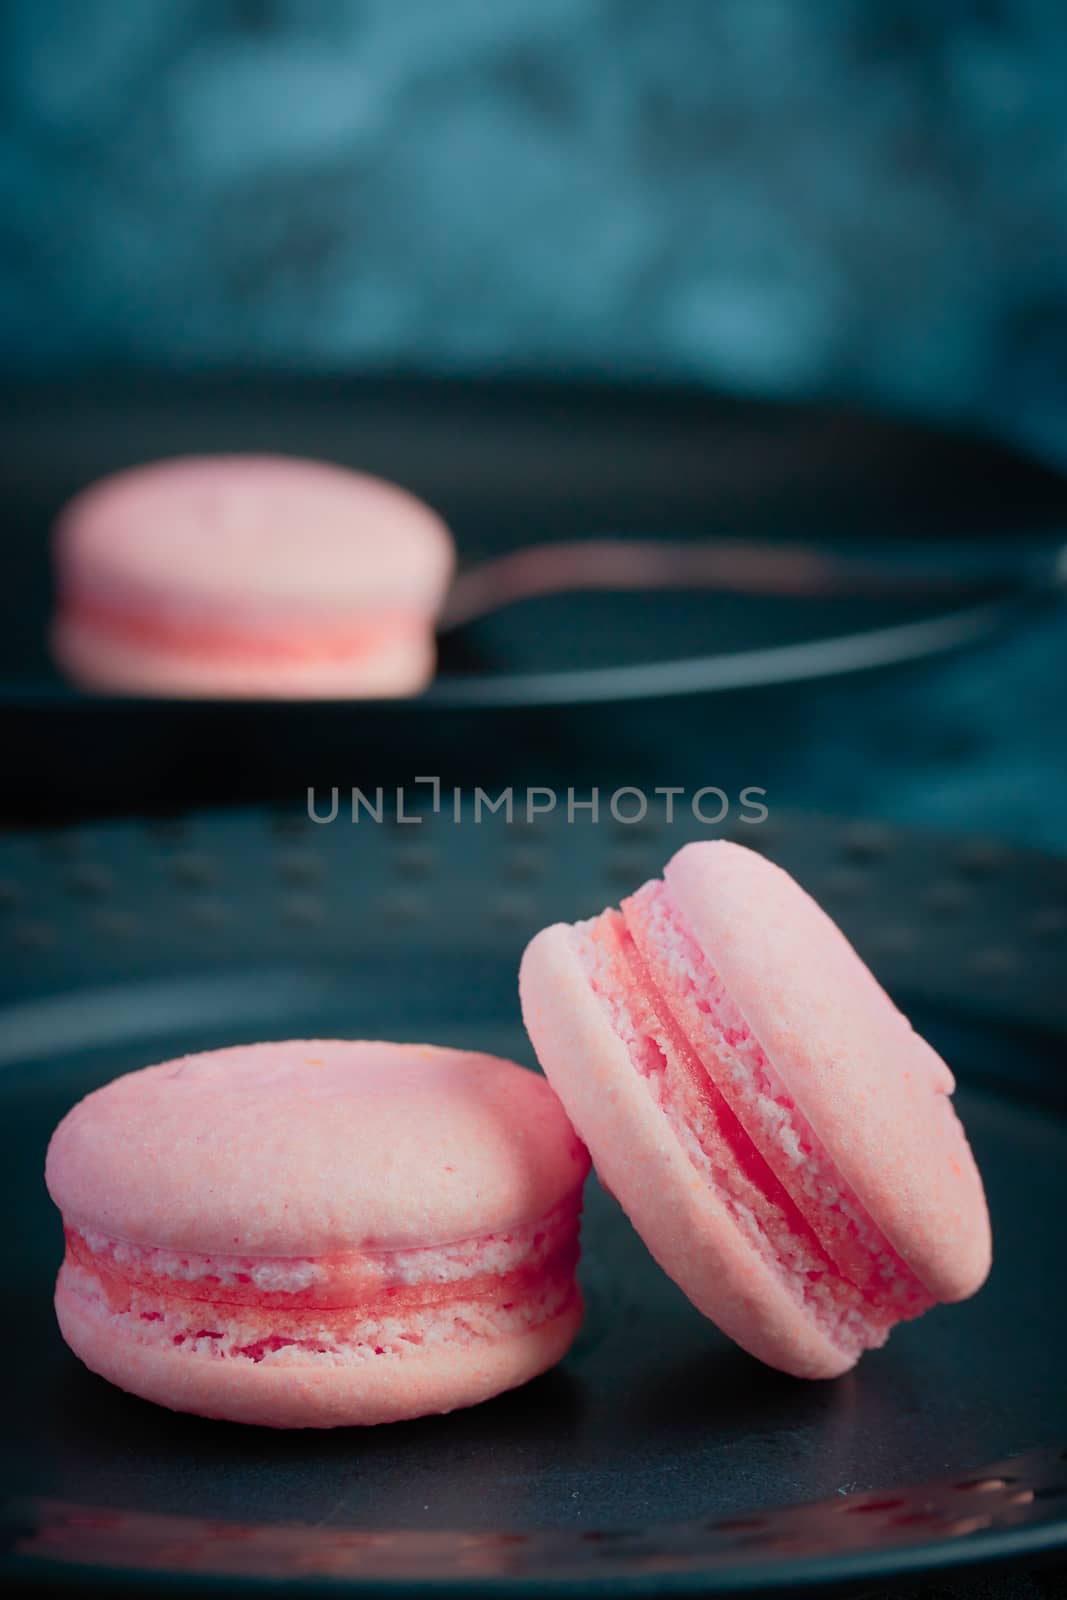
984 1549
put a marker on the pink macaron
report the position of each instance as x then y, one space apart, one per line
319 1233
249 576
780 1137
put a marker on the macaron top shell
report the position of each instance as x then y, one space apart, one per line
874 1092
313 1146
253 535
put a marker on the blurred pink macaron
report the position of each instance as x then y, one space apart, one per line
249 576
781 1138
319 1232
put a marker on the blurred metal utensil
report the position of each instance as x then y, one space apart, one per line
738 566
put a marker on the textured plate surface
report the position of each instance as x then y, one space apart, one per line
657 1456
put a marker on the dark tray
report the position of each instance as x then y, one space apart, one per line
507 463
657 1457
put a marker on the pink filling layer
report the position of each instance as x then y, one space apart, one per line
334 1309
743 1133
319 640
733 1058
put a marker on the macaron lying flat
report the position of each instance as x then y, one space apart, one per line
780 1137
319 1233
249 576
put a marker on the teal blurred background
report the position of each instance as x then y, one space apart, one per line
861 197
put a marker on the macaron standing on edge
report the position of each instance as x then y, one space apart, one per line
248 577
781 1138
319 1233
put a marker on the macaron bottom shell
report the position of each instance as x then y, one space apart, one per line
379 659
344 1340
289 1394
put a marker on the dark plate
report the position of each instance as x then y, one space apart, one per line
657 1456
507 463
